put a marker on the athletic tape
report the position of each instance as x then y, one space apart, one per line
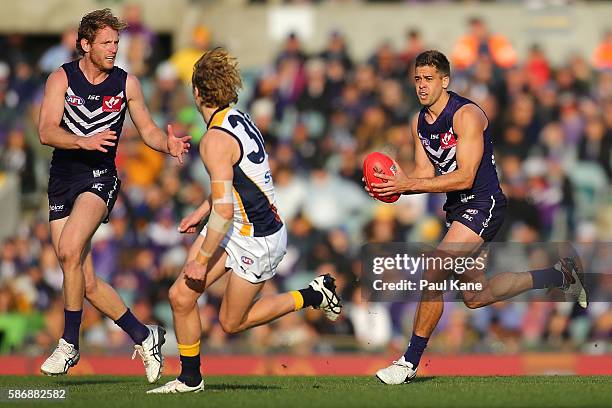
221 192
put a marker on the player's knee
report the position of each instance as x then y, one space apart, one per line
474 303
90 287
229 326
68 256
179 301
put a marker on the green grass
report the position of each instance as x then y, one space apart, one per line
318 392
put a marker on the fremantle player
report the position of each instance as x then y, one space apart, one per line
454 154
81 116
244 234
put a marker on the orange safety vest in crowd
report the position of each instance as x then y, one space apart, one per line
465 51
602 58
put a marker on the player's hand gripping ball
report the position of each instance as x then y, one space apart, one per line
377 162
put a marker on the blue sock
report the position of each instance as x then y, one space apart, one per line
132 326
546 278
415 350
72 325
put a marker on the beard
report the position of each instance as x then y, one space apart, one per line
102 63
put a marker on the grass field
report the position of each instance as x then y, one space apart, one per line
315 392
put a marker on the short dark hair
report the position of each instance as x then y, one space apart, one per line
434 59
94 21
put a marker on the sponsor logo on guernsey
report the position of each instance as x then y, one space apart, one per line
472 211
111 103
75 100
56 207
468 217
93 97
98 186
448 140
98 173
246 260
465 198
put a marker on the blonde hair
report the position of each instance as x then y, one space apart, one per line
217 78
94 21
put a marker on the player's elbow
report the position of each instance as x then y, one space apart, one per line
224 210
43 135
467 182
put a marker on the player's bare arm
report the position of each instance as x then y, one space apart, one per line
51 111
153 136
190 222
219 152
469 122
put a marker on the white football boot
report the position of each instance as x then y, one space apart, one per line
573 280
150 352
325 284
63 357
176 387
399 372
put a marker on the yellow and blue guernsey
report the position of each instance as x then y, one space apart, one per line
255 213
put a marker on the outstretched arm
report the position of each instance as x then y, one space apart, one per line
469 122
153 136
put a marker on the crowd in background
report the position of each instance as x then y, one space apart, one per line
320 113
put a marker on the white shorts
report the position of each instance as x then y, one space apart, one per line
254 258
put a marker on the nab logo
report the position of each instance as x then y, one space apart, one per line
246 260
75 100
93 97
111 103
448 140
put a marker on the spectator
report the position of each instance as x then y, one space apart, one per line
413 46
602 57
18 157
60 53
137 53
479 41
336 50
292 49
185 58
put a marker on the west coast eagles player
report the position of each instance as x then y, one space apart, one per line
81 116
244 234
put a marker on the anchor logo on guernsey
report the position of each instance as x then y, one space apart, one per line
448 139
111 103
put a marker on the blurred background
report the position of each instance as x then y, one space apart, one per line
326 82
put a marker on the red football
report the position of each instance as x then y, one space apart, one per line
377 162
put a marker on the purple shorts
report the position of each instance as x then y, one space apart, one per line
483 215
